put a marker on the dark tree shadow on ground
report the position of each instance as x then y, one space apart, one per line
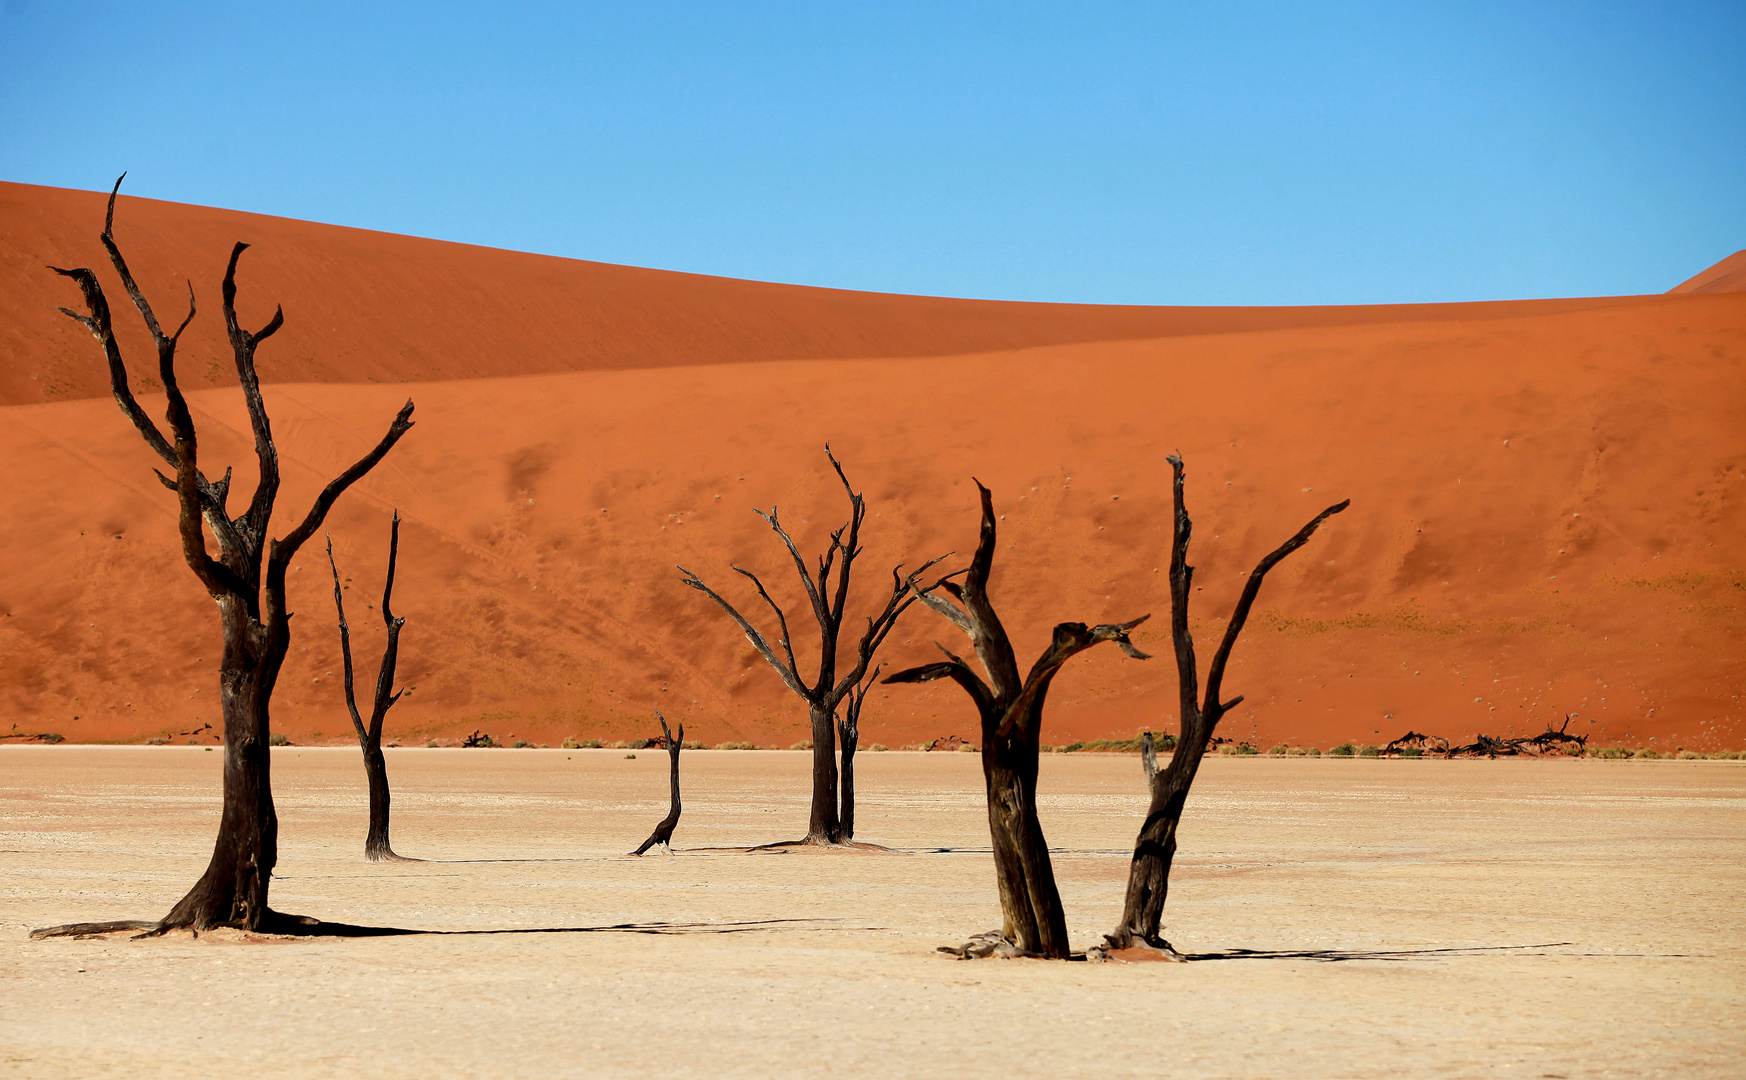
301 927
1334 956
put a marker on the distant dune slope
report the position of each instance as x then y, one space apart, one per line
1727 276
373 307
1548 518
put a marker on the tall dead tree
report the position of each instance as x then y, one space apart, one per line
849 737
828 598
663 834
252 613
1011 709
376 845
1149 873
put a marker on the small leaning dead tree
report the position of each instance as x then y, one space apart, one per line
663 834
376 845
828 598
1033 922
255 621
1149 872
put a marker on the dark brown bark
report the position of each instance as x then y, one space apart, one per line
663 834
376 844
1011 711
1155 849
252 613
828 598
849 737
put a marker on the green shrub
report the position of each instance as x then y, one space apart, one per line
639 744
1312 751
430 744
735 746
1370 751
1412 752
1345 749
51 737
1611 753
879 748
1114 746
1300 751
157 740
520 744
804 744
1278 751
630 757
572 744
966 748
588 744
278 739
1725 755
1246 750
1646 753
1690 755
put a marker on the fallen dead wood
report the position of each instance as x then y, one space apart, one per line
1434 744
1551 741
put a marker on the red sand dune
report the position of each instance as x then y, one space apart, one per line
1727 276
1547 497
375 307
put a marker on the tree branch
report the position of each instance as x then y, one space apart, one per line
287 546
812 593
339 604
242 345
1068 641
789 677
1181 577
992 646
781 621
959 673
1216 673
386 695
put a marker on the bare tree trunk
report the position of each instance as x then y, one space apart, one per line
849 736
823 825
663 834
827 599
252 612
1032 916
233 890
376 844
1155 848
1033 922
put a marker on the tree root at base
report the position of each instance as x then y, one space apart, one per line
807 841
1139 952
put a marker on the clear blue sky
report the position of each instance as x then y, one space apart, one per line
1177 153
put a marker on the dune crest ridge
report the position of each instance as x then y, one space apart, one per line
1727 276
376 307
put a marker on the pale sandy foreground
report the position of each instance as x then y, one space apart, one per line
1348 919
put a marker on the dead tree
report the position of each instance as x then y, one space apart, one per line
1414 740
828 599
252 612
1149 873
849 736
663 834
376 846
1490 746
1032 920
1562 739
